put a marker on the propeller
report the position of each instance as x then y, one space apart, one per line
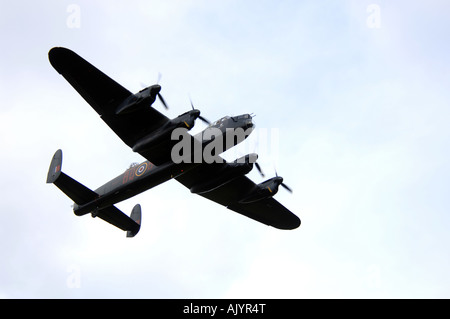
143 85
200 117
286 187
159 94
163 101
259 169
159 77
283 184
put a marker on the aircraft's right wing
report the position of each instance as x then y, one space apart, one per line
267 211
105 95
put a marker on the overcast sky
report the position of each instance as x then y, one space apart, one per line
356 91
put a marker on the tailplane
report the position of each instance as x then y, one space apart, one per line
82 195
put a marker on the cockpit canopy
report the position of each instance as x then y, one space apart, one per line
219 123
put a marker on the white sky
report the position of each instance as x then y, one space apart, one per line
362 114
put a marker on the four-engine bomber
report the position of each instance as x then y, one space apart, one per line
194 161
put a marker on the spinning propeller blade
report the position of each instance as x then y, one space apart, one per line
159 94
259 169
204 120
163 101
283 184
200 117
286 187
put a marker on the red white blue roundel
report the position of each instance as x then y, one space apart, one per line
141 169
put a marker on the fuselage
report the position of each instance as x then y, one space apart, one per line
146 175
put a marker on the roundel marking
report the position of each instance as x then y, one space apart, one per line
141 169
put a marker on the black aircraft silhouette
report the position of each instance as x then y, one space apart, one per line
149 133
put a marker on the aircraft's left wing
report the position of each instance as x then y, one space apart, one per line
267 211
105 95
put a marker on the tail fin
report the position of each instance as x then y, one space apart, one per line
136 217
79 193
55 167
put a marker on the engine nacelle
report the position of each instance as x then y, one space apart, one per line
186 120
264 190
153 139
143 98
239 167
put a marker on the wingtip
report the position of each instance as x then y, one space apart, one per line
289 224
57 55
55 52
